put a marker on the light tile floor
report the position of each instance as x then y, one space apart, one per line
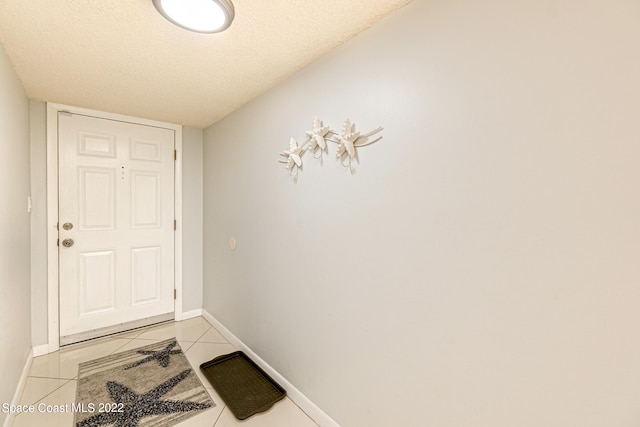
53 377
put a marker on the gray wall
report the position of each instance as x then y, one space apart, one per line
480 266
39 291
15 313
192 218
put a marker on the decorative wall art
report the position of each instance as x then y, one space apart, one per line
317 140
294 159
348 141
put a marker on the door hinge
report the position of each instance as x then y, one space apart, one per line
175 294
58 226
175 224
175 154
66 113
58 242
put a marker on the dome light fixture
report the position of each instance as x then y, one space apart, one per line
201 16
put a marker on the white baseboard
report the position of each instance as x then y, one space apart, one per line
8 421
303 402
39 350
191 314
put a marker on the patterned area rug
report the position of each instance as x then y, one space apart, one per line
151 386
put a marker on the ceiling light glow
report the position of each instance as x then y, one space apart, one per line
203 16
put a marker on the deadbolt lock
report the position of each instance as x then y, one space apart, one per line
67 243
67 226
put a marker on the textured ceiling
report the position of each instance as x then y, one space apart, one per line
122 56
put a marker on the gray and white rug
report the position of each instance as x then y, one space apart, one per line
151 386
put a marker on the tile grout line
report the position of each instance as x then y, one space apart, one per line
114 351
303 411
67 382
219 415
202 342
51 378
203 334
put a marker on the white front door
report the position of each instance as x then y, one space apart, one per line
116 223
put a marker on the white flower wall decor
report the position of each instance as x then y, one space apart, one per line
294 159
348 141
317 138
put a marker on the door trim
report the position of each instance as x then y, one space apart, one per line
52 210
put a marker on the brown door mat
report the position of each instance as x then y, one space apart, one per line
244 387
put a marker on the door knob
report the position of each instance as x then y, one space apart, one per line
67 226
67 243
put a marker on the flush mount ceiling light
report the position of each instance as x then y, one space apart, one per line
202 16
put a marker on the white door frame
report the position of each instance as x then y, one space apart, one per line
52 210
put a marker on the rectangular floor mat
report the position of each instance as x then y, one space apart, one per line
244 387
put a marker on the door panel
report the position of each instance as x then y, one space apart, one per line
145 274
97 198
146 200
97 282
145 150
93 144
116 189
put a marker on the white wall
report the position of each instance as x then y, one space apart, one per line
192 218
15 313
480 267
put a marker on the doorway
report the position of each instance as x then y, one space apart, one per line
114 213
